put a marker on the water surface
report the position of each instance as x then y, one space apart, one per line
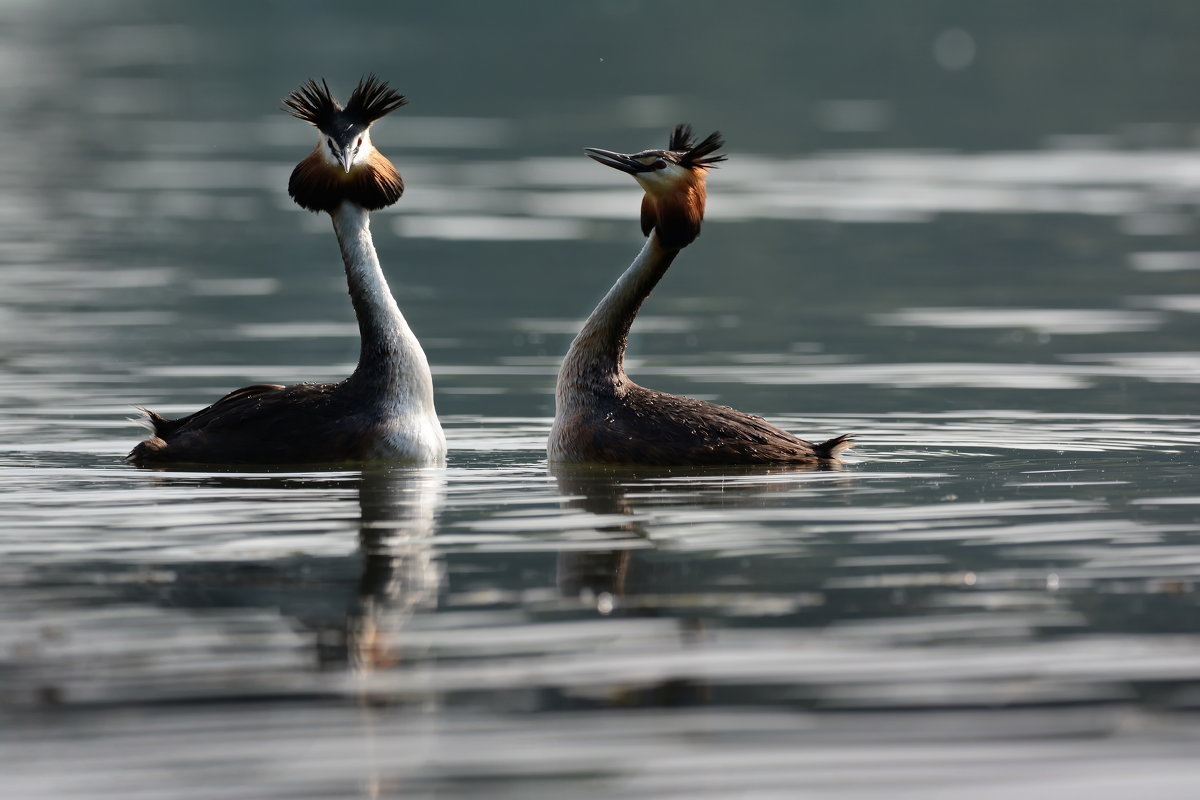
968 237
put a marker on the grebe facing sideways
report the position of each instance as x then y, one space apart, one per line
384 410
601 416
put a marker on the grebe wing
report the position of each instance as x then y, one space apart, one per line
264 424
670 429
229 404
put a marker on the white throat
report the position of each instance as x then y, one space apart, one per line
392 373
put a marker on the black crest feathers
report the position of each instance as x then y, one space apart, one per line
313 103
692 154
370 100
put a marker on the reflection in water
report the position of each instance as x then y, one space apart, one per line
597 576
254 609
602 579
875 617
400 574
602 492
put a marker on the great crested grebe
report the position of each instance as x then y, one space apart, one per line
601 416
384 410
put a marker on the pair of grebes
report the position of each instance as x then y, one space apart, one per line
385 410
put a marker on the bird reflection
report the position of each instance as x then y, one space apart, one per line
355 624
596 576
622 580
602 491
400 575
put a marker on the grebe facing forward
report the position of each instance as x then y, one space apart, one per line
384 410
601 416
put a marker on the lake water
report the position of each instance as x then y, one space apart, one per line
967 234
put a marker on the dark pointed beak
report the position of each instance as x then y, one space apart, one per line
345 157
616 160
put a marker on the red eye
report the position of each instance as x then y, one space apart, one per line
660 164
359 142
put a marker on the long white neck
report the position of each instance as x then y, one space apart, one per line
392 371
596 361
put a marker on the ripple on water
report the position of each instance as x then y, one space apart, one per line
1000 602
1048 321
665 753
969 580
